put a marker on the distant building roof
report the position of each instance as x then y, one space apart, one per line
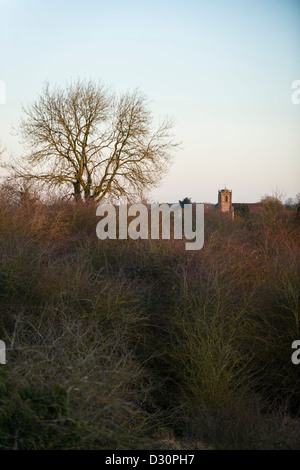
255 207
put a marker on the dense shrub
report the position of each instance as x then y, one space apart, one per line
111 343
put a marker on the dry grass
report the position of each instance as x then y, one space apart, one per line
140 344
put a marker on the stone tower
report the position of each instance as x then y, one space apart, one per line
225 201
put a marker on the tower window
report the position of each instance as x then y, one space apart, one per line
226 198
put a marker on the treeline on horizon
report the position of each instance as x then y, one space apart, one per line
140 344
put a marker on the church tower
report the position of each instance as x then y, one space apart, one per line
225 201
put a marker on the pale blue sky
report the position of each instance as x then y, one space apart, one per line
222 68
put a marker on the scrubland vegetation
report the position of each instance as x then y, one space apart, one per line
141 344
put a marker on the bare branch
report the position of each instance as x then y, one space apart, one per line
85 137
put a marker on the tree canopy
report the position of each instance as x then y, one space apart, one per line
84 137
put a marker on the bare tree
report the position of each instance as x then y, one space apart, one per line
85 137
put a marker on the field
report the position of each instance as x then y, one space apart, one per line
141 344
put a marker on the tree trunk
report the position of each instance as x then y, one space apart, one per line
77 194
